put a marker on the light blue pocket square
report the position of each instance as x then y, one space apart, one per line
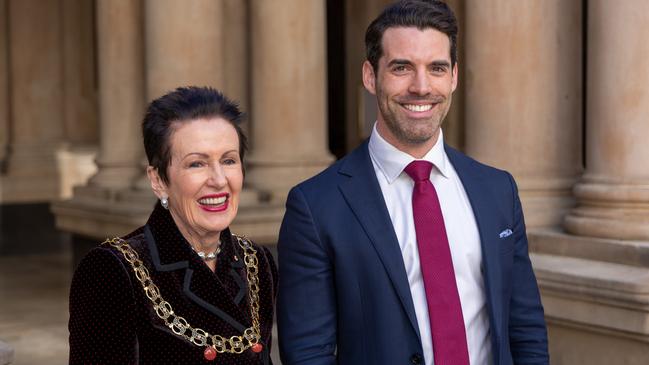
506 233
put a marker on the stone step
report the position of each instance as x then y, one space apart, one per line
555 242
94 213
597 294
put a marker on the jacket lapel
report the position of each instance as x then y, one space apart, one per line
171 254
485 210
363 194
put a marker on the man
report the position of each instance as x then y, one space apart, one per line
406 251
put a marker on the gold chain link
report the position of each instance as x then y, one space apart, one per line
178 324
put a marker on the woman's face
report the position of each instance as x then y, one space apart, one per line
205 178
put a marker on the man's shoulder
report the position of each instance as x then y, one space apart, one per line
339 171
462 161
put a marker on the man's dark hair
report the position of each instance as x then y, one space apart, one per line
422 14
182 106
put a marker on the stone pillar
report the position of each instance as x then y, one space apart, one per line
236 72
454 123
36 100
4 85
613 195
594 280
121 92
80 116
523 97
360 104
288 94
184 44
76 160
105 207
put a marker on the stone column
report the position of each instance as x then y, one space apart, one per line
236 73
77 159
454 122
36 100
4 85
184 44
613 195
79 72
121 92
361 105
288 94
594 281
523 97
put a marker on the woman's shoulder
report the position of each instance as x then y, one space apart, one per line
107 254
115 245
101 275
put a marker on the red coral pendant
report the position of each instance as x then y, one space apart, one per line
209 353
256 348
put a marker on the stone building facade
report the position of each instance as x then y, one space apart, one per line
554 91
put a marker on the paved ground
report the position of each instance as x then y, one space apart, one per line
34 307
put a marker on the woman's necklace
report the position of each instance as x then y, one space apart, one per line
207 256
213 343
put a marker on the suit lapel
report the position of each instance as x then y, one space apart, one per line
485 211
363 194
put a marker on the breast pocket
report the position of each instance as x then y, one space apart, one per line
506 260
507 246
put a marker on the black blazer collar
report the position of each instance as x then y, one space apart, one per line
219 292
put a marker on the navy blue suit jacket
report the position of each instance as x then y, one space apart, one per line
344 296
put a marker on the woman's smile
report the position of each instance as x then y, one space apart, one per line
214 202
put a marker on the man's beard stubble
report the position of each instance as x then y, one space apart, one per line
399 128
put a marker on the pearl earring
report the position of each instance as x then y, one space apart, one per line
165 202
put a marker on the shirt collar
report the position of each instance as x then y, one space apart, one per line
391 161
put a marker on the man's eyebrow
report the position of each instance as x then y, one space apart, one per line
440 63
437 63
399 61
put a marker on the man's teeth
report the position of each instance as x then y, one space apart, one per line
418 108
213 201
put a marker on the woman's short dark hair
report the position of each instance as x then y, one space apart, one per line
422 14
181 106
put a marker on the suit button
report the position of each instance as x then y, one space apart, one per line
417 359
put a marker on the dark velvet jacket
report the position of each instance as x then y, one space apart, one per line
113 322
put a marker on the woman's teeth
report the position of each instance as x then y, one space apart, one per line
213 201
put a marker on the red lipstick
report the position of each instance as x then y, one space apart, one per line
213 206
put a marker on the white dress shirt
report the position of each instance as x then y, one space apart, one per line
463 238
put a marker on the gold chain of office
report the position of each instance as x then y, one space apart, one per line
178 324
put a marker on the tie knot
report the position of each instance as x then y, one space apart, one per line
419 170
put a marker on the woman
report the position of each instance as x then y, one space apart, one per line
182 289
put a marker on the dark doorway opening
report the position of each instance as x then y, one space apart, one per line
336 77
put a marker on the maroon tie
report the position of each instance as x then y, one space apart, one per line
444 308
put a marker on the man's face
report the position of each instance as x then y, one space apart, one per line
413 87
